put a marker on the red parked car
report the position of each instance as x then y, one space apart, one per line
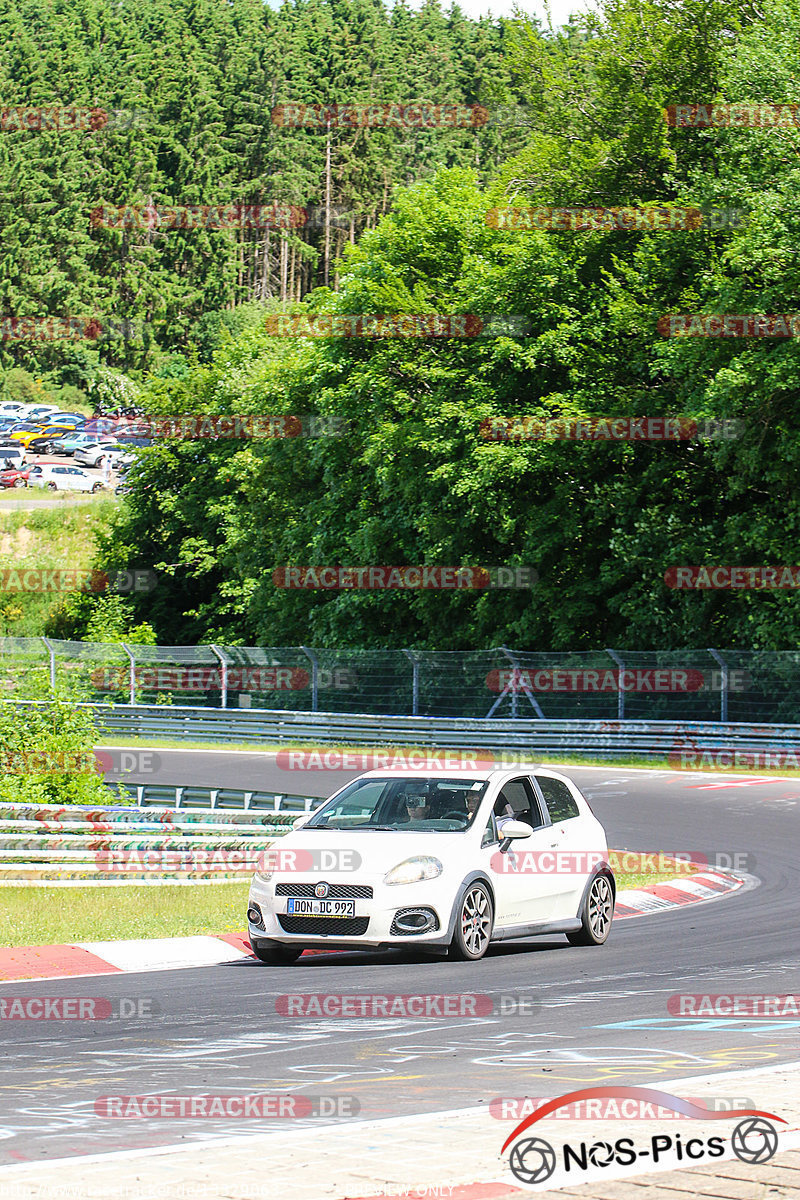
15 479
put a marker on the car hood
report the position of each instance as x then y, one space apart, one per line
377 851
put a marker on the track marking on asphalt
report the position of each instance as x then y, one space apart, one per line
325 1131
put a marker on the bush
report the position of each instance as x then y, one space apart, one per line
47 755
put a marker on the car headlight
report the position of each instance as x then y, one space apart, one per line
268 863
413 870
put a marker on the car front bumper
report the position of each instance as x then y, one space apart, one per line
376 916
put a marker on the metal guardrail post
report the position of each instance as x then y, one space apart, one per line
52 653
314 676
411 656
723 691
130 655
620 692
223 662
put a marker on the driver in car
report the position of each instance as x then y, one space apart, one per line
417 805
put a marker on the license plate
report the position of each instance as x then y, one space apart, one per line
321 908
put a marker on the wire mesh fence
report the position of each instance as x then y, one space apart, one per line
609 684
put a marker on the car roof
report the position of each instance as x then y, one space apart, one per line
491 774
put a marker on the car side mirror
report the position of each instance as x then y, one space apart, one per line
511 831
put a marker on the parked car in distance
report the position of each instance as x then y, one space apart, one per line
11 407
25 433
67 418
68 443
12 455
62 479
41 444
94 455
16 478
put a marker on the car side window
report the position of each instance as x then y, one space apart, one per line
517 799
560 801
490 833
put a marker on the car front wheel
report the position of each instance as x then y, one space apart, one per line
277 956
19 483
596 916
52 487
97 487
474 922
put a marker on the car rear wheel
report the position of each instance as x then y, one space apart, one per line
474 922
52 486
19 483
96 487
597 914
277 956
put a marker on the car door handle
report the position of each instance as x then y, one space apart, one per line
553 845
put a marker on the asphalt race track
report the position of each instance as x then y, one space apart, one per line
599 1014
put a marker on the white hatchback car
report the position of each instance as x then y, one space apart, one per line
446 863
62 479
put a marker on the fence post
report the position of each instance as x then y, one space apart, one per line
314 675
130 655
723 691
620 692
411 656
52 653
223 662
534 703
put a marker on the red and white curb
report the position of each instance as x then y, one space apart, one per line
112 958
705 885
166 954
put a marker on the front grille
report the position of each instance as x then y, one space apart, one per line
346 926
337 891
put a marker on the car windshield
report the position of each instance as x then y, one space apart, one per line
434 804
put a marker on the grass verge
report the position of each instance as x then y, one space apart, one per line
42 916
52 916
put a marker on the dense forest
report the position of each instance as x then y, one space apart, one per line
404 224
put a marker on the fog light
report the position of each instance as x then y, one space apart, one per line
408 921
254 916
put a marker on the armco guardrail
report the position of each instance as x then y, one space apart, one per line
52 844
526 738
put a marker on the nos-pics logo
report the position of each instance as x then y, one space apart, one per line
533 1160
